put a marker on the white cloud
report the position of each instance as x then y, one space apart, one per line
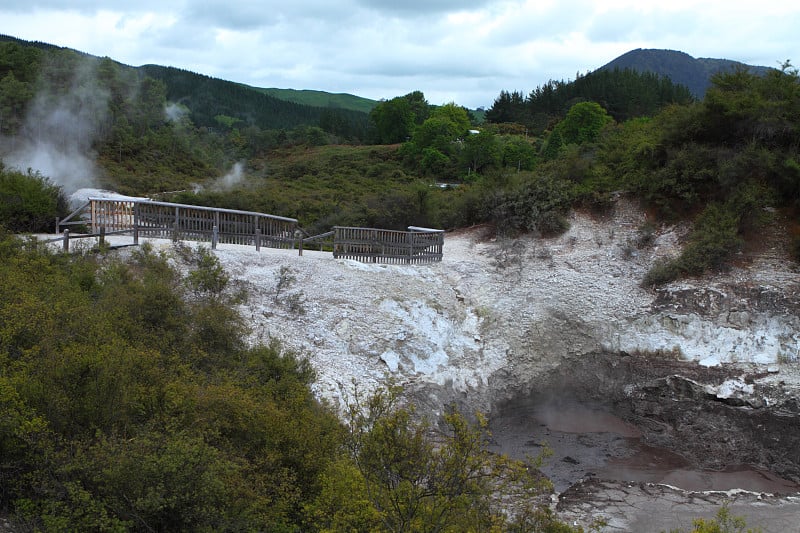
462 50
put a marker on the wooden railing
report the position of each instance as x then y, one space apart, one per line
369 245
109 216
184 222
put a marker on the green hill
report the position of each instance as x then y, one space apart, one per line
321 99
209 98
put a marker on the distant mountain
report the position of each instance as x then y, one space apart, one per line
680 67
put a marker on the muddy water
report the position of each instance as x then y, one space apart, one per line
589 442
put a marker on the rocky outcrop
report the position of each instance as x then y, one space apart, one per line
650 508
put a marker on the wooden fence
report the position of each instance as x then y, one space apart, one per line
184 222
369 245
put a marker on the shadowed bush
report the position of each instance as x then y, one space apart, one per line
29 202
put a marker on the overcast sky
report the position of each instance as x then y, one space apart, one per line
464 51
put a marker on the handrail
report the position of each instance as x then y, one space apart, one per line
371 245
108 215
318 237
190 206
183 222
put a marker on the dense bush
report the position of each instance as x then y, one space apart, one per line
130 401
531 203
29 202
713 240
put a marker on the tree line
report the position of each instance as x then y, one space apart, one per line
208 98
624 94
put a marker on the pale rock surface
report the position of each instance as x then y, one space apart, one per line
482 325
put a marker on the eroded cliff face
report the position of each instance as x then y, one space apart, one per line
496 314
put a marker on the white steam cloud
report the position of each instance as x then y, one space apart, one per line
230 180
233 178
56 138
175 113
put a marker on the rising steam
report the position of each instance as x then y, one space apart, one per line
175 113
232 178
59 129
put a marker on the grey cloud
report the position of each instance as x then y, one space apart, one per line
532 25
82 6
614 26
250 14
422 7
233 15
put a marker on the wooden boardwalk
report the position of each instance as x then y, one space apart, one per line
146 218
164 220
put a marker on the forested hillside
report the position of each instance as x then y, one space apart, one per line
321 99
213 102
623 93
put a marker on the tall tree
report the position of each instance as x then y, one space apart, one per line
393 120
583 123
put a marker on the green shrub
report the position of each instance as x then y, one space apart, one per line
128 404
713 240
29 202
662 272
536 203
795 248
710 245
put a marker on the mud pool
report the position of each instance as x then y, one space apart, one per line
587 442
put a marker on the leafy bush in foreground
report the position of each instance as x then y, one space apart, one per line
29 202
125 404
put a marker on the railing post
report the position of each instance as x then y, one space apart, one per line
66 240
174 232
258 239
102 236
94 214
136 223
214 237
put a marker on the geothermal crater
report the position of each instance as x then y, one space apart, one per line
653 401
